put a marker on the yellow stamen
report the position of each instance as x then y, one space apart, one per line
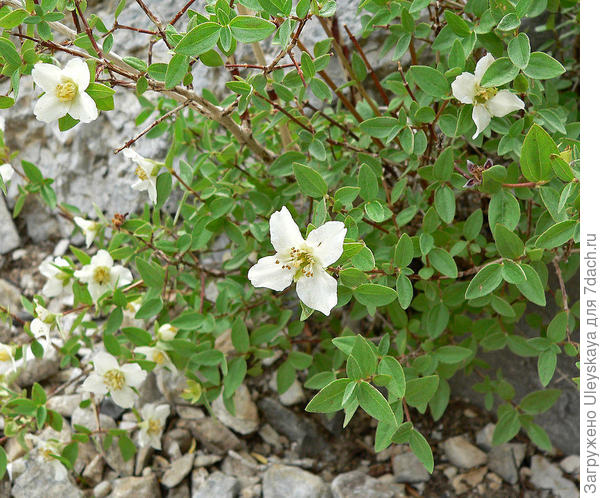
4 355
141 173
114 379
66 92
159 357
154 426
482 95
101 275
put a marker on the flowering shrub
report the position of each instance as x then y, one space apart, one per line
421 208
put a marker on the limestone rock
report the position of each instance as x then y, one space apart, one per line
546 475
9 237
39 476
463 454
217 484
408 468
506 459
292 482
245 421
357 484
178 470
127 487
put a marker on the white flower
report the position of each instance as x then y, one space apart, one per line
146 171
134 306
487 102
152 425
89 229
158 355
65 92
6 172
109 377
45 322
166 332
101 276
59 281
7 360
301 261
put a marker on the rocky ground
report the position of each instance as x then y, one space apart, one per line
272 448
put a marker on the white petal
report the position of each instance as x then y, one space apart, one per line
463 88
503 103
155 441
162 412
120 275
132 155
143 439
6 172
482 119
96 290
125 397
134 375
285 234
318 292
103 362
46 76
85 274
482 66
327 242
148 409
48 108
102 258
266 273
39 328
52 288
83 108
152 189
94 384
78 71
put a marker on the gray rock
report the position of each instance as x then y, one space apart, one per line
9 237
111 409
94 470
142 458
65 404
214 436
39 476
408 468
217 484
126 487
102 489
357 484
483 438
293 396
546 475
506 459
178 470
292 482
181 491
245 420
203 460
302 430
38 369
570 464
463 454
182 438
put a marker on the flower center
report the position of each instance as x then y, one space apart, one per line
482 95
65 92
301 260
158 357
101 275
114 379
154 426
4 356
141 173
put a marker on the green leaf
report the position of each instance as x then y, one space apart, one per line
538 436
239 335
500 72
373 402
535 155
507 427
137 336
542 67
444 165
9 52
176 70
235 375
200 39
3 462
404 289
473 224
546 366
486 280
152 274
504 209
557 235
457 24
420 447
32 172
367 181
403 253
539 401
443 262
532 288
379 127
509 244
328 399
364 356
127 447
248 29
557 328
114 321
310 181
445 204
421 390
430 80
391 366
519 50
10 21
512 272
452 354
374 294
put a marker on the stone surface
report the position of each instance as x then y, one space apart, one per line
546 475
505 460
127 487
463 454
408 468
292 482
178 470
302 430
357 484
65 404
483 438
293 396
466 482
217 484
102 489
570 464
10 297
38 369
9 237
39 476
245 420
214 436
